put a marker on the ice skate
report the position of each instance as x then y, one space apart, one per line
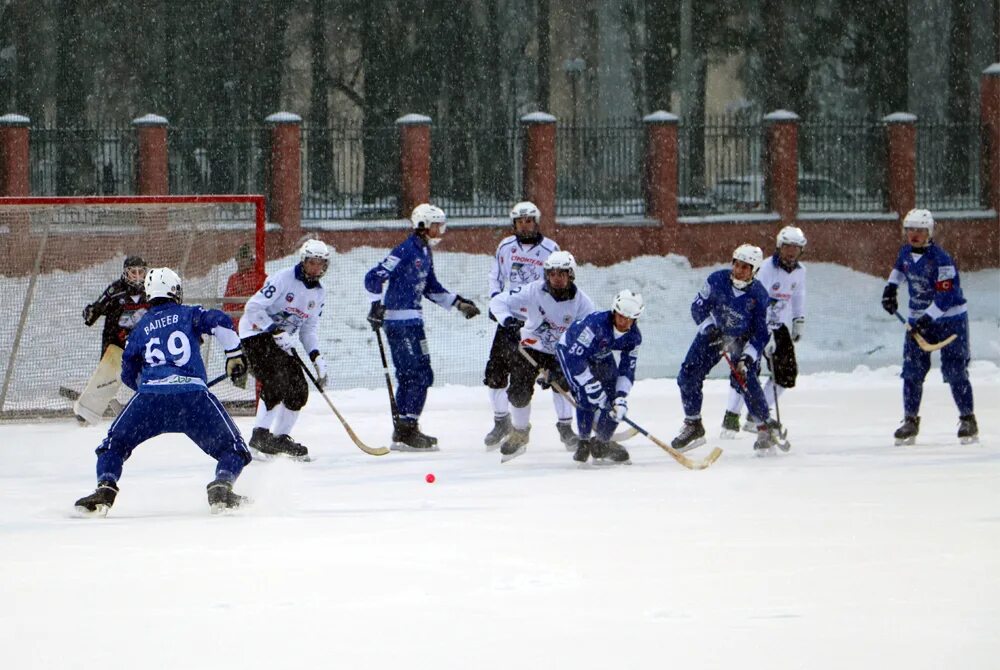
609 453
692 435
501 429
221 497
406 437
582 452
775 435
100 501
515 444
751 423
261 442
763 446
968 429
907 433
567 436
286 446
730 426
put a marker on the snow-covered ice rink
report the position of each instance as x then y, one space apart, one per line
846 552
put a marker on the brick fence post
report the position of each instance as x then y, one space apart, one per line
414 162
539 163
901 162
152 176
284 187
661 173
781 164
15 155
989 114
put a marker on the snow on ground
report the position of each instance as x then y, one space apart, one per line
845 553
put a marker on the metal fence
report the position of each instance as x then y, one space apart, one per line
719 164
352 172
842 165
476 171
349 172
599 169
217 160
96 160
948 171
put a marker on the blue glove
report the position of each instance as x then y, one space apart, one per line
596 397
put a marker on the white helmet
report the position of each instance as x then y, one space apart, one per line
525 209
791 235
919 218
628 304
560 260
424 215
750 255
315 249
164 283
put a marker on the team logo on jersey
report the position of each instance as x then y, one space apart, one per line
290 297
775 286
567 319
586 337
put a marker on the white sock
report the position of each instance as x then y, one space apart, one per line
265 416
286 419
501 406
735 404
770 388
564 409
519 417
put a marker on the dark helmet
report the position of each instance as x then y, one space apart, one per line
134 279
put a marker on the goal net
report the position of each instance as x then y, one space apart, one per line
57 255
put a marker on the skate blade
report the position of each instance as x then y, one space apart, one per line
608 463
99 513
222 508
399 446
906 442
570 447
728 434
785 446
691 445
508 457
764 453
970 440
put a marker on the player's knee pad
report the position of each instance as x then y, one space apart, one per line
519 394
296 393
496 376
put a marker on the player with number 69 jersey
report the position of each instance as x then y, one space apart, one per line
162 364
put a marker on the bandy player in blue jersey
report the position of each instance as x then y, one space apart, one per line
162 364
937 310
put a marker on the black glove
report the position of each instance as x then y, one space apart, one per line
236 367
90 315
889 303
466 307
550 378
511 327
923 325
376 315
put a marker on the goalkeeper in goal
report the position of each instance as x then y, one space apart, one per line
122 304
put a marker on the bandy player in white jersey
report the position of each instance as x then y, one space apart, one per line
518 261
785 280
286 308
545 308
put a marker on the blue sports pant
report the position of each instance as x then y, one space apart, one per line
701 358
606 372
954 365
197 414
410 358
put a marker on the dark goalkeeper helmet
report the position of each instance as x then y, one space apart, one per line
134 271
